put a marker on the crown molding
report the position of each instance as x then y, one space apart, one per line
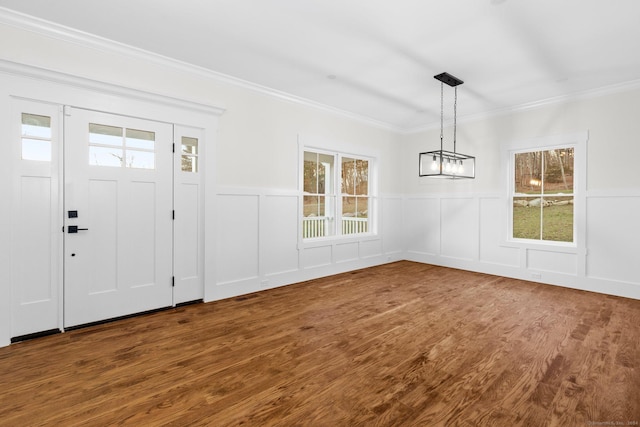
33 72
563 99
84 39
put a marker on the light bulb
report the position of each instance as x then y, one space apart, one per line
461 167
434 165
448 167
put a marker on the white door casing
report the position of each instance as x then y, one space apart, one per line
122 263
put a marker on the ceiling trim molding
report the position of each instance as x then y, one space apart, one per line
576 96
70 35
33 72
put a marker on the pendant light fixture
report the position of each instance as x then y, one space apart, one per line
443 163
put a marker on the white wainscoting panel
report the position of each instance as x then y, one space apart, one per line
552 261
422 225
344 252
319 256
237 246
392 225
279 234
613 238
370 248
259 247
459 228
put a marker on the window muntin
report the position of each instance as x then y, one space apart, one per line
114 146
36 137
326 214
189 154
543 195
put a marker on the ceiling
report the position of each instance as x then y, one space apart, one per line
377 58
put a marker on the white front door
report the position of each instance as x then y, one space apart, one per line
117 216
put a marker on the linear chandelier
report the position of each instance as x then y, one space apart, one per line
443 163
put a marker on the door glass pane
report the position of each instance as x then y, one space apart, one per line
141 139
189 163
105 156
36 149
105 135
140 159
36 137
36 126
189 145
189 159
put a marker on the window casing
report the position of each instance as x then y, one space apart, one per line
337 198
542 195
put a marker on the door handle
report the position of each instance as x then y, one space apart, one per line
74 229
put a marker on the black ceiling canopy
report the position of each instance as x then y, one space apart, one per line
448 79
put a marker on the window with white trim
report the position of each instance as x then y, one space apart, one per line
337 197
542 194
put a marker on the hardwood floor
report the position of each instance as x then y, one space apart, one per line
401 344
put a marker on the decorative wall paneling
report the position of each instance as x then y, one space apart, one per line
469 232
258 246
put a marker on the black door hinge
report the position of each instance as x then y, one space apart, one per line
173 281
173 214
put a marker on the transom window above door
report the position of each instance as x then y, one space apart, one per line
114 146
36 137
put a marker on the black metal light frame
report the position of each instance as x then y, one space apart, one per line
442 163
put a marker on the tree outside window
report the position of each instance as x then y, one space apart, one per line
543 195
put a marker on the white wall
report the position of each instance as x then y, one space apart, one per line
464 223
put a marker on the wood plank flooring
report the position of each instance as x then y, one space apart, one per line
403 344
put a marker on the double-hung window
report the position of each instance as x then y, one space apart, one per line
337 197
542 196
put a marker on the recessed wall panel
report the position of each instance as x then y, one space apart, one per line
279 234
423 225
459 228
346 252
237 229
316 257
613 238
552 261
392 225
